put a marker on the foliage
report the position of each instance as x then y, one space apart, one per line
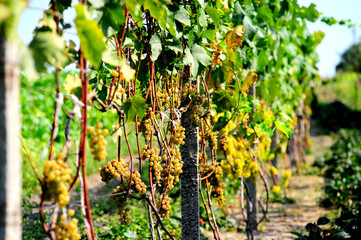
344 87
350 59
347 226
238 69
342 170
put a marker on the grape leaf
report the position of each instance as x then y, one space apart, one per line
199 55
183 16
134 106
262 60
90 35
48 47
213 13
156 47
284 127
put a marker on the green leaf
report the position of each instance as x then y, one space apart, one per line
199 55
284 127
134 107
71 83
250 28
223 99
113 17
156 47
323 221
188 58
27 63
48 47
130 234
341 235
131 4
213 14
222 120
262 60
183 16
201 2
155 8
202 18
175 45
127 72
112 58
90 35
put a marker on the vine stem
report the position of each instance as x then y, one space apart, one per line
206 208
55 116
82 150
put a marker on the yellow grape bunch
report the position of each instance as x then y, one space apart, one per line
145 126
286 176
97 141
115 169
172 168
164 206
154 162
68 227
56 181
178 133
213 175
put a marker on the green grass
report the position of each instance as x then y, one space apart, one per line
343 87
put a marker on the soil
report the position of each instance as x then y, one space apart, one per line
284 218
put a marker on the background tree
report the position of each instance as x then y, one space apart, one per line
351 59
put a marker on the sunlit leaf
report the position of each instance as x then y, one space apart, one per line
90 35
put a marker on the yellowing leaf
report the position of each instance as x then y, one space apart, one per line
72 84
235 36
127 71
251 78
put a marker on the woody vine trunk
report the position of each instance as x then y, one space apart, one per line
190 177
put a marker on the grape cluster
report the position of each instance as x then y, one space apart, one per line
276 190
286 176
154 162
68 229
121 204
212 139
171 171
137 183
145 126
223 142
196 108
263 147
215 174
57 178
188 89
97 141
164 206
202 157
163 99
273 170
178 134
113 170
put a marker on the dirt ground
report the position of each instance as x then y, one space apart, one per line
284 218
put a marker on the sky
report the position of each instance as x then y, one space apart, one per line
337 38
